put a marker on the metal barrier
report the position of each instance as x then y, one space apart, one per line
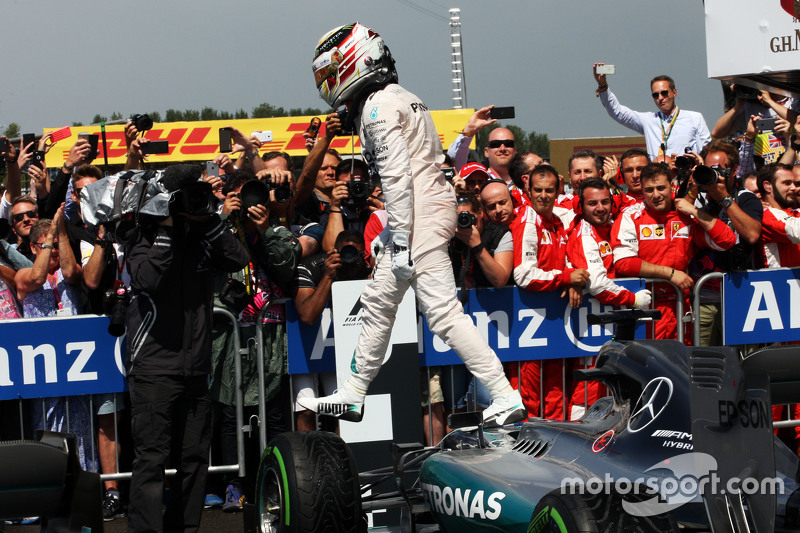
238 468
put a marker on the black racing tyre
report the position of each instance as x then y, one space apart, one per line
308 482
562 514
573 513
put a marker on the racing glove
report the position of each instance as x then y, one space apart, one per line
643 299
402 265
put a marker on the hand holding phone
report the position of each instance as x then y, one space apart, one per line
608 70
226 139
155 147
313 127
766 124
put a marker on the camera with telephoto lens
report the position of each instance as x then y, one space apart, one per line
705 176
466 219
142 122
350 255
358 190
684 163
196 199
115 305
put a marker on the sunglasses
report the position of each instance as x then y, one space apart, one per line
663 93
497 143
19 217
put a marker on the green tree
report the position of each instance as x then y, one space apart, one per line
173 115
241 114
97 119
155 115
116 116
12 131
77 124
266 110
191 115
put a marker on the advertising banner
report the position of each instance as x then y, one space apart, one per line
61 356
761 306
745 37
199 141
519 325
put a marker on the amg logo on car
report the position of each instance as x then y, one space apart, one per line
749 413
458 502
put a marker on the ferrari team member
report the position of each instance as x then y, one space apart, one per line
780 238
588 248
540 264
659 240
353 66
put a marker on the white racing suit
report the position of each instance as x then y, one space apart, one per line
400 142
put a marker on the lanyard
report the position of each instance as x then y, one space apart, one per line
53 279
665 133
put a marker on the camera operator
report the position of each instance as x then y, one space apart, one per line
171 262
722 197
315 276
352 201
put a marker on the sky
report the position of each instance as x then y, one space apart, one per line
67 61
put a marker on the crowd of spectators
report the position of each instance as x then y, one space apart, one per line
522 222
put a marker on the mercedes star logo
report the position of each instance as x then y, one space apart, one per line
651 403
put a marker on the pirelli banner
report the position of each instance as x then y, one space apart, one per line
199 141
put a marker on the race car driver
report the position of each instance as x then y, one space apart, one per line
353 66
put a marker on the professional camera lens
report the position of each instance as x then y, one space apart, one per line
466 219
115 305
349 255
283 193
253 192
745 92
704 175
684 163
358 190
142 122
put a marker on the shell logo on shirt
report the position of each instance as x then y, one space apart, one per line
546 238
651 232
605 249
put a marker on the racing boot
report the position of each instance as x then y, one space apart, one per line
344 403
505 409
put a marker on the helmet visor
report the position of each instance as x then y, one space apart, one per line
325 66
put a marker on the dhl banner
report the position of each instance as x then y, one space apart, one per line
199 141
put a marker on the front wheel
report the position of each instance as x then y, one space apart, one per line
308 481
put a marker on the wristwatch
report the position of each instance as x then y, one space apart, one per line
726 202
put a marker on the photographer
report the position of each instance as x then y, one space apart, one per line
482 251
274 253
352 201
748 102
314 279
172 262
723 198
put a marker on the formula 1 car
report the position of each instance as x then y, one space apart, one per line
684 441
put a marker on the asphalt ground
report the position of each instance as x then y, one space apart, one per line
213 521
